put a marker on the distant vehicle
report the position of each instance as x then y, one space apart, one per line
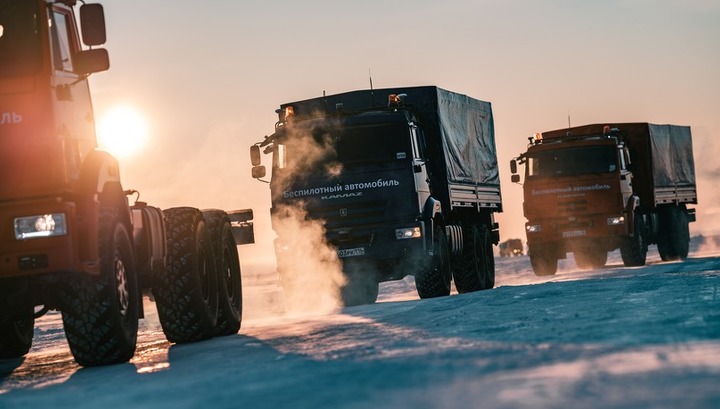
511 247
595 188
71 241
407 184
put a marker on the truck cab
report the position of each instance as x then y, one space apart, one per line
47 129
355 174
586 183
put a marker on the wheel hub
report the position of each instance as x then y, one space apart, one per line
122 285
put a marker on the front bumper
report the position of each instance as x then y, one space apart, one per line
377 247
607 229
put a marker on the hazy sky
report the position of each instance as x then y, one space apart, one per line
209 75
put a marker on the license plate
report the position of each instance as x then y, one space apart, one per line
359 251
574 233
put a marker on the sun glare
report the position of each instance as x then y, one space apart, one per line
122 131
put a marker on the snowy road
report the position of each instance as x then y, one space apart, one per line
623 338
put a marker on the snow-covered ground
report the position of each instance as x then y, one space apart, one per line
613 338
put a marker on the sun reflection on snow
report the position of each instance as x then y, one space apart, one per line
160 366
151 357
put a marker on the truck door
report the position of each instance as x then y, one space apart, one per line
420 170
73 108
625 174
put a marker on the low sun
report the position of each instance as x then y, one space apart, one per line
122 131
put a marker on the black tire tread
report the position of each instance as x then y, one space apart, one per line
229 315
184 314
474 268
96 332
433 280
16 337
634 250
543 261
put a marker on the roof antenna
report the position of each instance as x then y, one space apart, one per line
372 93
569 126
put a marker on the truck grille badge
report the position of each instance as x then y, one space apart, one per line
343 212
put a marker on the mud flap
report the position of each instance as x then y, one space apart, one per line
242 226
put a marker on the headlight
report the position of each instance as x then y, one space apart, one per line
408 233
614 221
533 228
42 225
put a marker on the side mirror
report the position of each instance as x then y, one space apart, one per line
513 166
92 22
258 172
255 155
90 61
515 178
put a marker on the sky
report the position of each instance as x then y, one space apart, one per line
208 76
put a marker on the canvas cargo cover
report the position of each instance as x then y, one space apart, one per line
459 126
662 155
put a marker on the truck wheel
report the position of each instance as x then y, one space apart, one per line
543 261
229 277
665 240
100 313
674 236
434 280
588 259
474 269
634 249
16 337
362 287
187 293
682 233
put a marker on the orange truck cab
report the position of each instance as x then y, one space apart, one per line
47 134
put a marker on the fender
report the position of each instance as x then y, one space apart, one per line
432 211
431 208
98 186
632 204
98 169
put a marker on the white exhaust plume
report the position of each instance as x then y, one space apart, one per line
310 270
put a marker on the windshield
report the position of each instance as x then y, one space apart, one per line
325 148
573 161
383 143
20 46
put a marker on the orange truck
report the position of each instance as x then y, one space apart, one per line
596 188
69 239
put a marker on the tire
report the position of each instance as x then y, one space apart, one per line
543 261
229 314
434 280
186 294
474 269
361 288
674 236
16 337
665 240
682 230
634 249
100 313
589 259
